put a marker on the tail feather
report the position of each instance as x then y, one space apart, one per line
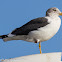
3 36
7 37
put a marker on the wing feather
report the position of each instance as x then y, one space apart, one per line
30 26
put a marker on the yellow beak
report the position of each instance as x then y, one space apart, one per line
60 14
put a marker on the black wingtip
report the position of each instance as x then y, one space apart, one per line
0 37
3 36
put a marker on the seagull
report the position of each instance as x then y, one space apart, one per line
37 30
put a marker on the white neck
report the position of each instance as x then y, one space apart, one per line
53 15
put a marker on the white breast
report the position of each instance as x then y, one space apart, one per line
45 33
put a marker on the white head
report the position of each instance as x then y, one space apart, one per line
53 12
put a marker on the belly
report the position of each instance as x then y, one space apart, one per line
44 33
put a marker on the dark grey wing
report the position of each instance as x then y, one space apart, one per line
30 26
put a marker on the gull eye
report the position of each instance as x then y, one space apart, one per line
54 9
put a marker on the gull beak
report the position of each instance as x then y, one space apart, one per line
60 14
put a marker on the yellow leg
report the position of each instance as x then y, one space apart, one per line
40 47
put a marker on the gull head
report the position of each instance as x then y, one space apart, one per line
53 12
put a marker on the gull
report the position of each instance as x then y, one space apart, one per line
37 30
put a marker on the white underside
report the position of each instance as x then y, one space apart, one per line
41 34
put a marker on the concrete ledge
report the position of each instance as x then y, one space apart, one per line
45 57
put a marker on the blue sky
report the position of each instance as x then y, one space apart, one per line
15 13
